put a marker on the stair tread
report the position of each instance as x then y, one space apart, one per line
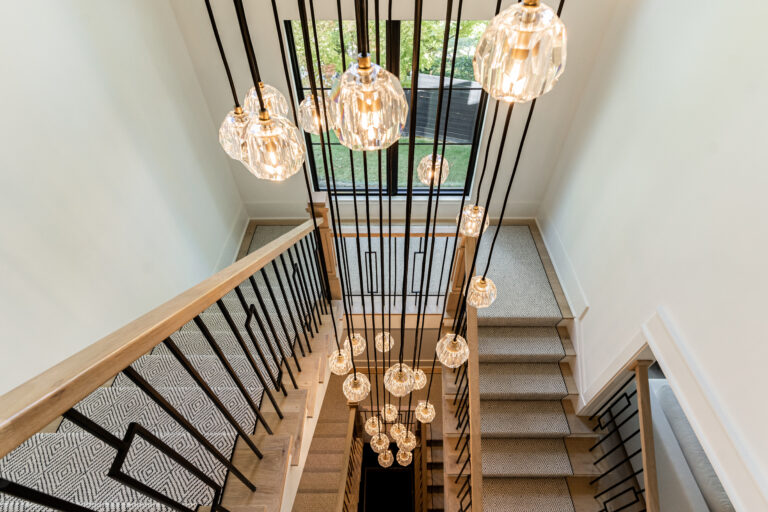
522 418
314 502
319 481
324 461
526 495
521 381
525 458
519 344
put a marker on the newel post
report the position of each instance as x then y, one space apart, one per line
319 209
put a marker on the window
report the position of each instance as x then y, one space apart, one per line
467 104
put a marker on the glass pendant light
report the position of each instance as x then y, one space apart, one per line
275 148
522 52
358 344
397 431
389 413
384 342
471 218
311 116
356 387
379 443
386 458
274 101
373 425
482 292
340 362
452 350
407 442
404 458
419 379
368 106
432 172
425 411
232 134
398 379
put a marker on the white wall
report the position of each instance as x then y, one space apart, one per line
114 193
288 199
658 204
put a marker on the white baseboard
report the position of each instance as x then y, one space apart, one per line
731 460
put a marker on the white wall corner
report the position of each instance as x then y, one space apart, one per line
730 458
232 243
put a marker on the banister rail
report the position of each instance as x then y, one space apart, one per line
348 494
31 406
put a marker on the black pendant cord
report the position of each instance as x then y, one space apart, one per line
392 289
462 296
514 170
311 73
487 152
221 52
371 285
250 54
446 36
320 255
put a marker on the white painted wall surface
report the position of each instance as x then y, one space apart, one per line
114 194
658 202
288 199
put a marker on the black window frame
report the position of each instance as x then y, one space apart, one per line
391 159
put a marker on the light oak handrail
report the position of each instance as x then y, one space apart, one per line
650 477
25 410
473 384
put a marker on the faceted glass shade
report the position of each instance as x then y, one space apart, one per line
379 443
274 101
373 425
369 107
358 344
356 387
452 350
389 413
471 218
384 342
340 362
425 412
521 54
407 442
399 379
432 172
386 458
404 458
482 292
419 379
232 134
397 431
312 117
275 148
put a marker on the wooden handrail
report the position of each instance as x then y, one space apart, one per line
650 478
31 406
473 376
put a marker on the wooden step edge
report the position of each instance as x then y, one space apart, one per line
570 381
580 426
450 489
583 494
582 460
268 474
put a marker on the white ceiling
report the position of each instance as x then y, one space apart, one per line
585 21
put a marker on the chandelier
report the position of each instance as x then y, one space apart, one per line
521 54
340 362
452 350
482 292
471 219
312 116
433 170
356 387
399 379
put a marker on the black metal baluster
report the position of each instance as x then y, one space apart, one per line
277 381
305 283
249 355
301 256
156 397
313 257
39 498
320 271
231 371
290 309
274 335
312 273
181 358
309 316
297 298
264 309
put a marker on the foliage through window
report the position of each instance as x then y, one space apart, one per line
466 107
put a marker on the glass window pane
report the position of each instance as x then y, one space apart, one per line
457 156
343 168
